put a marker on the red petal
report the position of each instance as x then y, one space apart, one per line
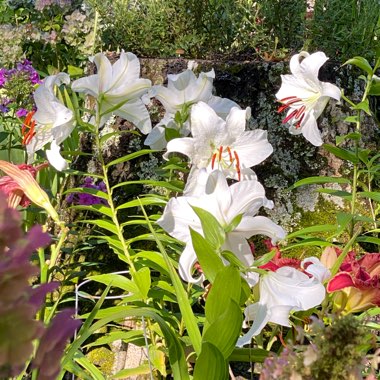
340 281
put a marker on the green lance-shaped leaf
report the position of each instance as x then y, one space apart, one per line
176 353
143 281
183 301
210 364
212 230
131 156
117 281
344 154
225 330
208 257
362 63
319 180
227 286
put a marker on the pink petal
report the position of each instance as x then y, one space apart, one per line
340 281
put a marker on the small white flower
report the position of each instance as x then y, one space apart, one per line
184 90
223 145
305 96
224 203
55 122
281 292
118 89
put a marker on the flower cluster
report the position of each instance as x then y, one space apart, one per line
77 31
336 353
16 88
212 133
19 303
12 38
85 199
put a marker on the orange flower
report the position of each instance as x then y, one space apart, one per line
20 187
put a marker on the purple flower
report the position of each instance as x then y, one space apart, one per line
53 343
3 76
22 112
88 199
19 302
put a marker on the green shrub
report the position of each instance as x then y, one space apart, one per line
285 20
343 29
200 28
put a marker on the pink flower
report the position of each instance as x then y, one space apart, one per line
12 189
357 284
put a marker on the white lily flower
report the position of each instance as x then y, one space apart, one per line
222 145
54 121
184 90
281 292
224 203
305 96
118 89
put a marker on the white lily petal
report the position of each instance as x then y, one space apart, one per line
311 132
331 91
136 113
237 244
196 182
54 157
222 106
236 121
202 117
313 266
251 195
253 147
118 85
186 265
156 138
178 216
311 64
184 145
89 85
42 137
201 89
104 69
125 69
260 315
295 64
53 120
260 225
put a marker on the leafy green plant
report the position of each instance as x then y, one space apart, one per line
345 29
200 29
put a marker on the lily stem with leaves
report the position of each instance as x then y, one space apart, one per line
111 204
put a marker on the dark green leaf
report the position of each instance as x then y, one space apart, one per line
210 364
344 154
320 179
360 62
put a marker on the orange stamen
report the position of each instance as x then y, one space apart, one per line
230 154
213 161
290 116
237 165
27 129
220 153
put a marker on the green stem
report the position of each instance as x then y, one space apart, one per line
109 192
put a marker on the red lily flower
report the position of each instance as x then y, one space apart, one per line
357 284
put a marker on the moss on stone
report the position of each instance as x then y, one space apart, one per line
103 358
